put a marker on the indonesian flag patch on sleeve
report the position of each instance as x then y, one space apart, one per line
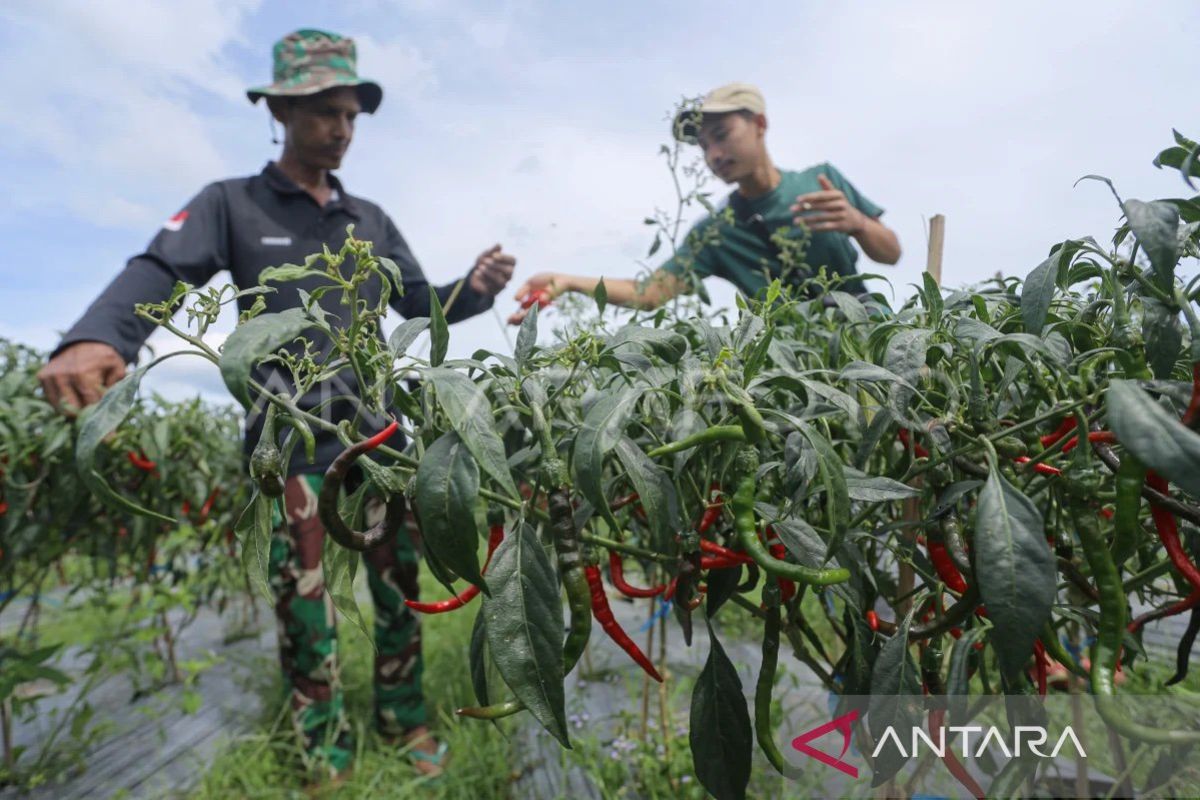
176 222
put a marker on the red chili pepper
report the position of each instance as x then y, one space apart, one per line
604 616
872 620
716 562
1168 532
1193 409
141 462
620 502
381 437
669 592
540 296
1045 469
1103 437
3 508
712 548
712 511
945 567
206 509
616 571
1065 427
918 450
937 718
1039 666
787 587
186 508
495 536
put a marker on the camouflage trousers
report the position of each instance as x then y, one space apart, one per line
308 634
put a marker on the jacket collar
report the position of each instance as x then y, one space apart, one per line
282 184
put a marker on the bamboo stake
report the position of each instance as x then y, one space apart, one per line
912 508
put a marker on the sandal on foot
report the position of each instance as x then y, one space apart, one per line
436 758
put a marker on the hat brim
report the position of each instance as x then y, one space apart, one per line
370 94
686 125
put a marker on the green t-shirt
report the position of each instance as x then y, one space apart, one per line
739 252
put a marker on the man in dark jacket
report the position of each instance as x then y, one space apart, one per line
293 208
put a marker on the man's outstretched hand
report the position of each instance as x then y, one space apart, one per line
828 210
493 270
78 376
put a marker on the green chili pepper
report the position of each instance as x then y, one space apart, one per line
266 462
305 433
752 422
1010 446
1127 531
1110 633
766 679
744 523
1056 650
570 567
717 433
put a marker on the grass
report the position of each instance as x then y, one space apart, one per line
486 759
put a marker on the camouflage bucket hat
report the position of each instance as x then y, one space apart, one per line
310 61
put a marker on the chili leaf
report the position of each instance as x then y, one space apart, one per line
895 701
253 531
1015 569
1163 335
837 497
875 489
470 415
527 336
254 340
1156 225
905 354
958 679
722 585
405 334
447 491
1158 439
720 734
99 421
656 492
524 622
1038 291
666 345
439 332
477 653
340 566
601 430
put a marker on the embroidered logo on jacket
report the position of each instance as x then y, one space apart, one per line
276 241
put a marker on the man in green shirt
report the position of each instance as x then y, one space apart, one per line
780 218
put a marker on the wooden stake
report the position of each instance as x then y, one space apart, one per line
912 509
937 243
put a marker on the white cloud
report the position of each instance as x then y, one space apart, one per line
538 125
400 68
110 113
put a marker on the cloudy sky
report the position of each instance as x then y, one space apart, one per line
537 125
